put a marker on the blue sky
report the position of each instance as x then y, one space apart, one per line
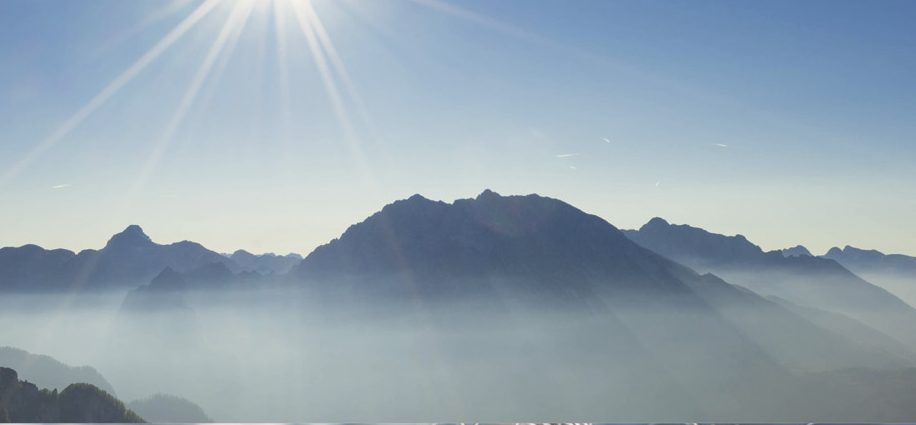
789 122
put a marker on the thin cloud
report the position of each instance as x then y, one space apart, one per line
60 186
721 145
657 183
567 155
606 140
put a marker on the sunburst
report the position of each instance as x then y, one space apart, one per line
339 88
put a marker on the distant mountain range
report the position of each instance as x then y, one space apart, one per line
529 250
129 259
873 261
265 263
895 272
797 251
863 261
674 305
816 282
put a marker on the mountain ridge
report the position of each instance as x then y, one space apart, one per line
810 281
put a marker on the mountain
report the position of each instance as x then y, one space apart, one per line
797 251
46 372
894 272
164 292
169 289
29 266
535 257
168 409
22 401
804 280
130 258
863 260
265 263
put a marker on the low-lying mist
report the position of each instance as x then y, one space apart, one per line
282 355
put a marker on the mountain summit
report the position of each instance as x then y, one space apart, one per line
538 239
130 258
131 237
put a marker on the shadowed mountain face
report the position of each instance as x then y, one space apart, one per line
862 260
805 280
265 263
47 372
894 272
169 409
530 253
21 401
549 244
797 251
129 259
29 266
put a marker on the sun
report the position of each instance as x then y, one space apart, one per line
298 19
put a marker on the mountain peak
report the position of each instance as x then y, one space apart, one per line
852 249
695 246
168 279
133 235
655 222
477 236
796 251
488 194
833 251
417 197
850 252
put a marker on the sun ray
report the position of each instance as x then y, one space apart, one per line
224 58
110 90
280 11
333 93
237 17
483 20
338 64
170 8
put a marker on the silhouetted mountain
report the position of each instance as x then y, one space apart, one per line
163 293
21 401
129 259
28 266
807 281
169 409
132 258
872 261
265 263
536 254
46 372
797 251
894 272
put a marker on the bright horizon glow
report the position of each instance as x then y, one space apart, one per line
274 125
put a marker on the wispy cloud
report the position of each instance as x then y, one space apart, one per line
60 186
657 183
567 155
606 140
721 145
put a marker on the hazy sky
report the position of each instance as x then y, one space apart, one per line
787 121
